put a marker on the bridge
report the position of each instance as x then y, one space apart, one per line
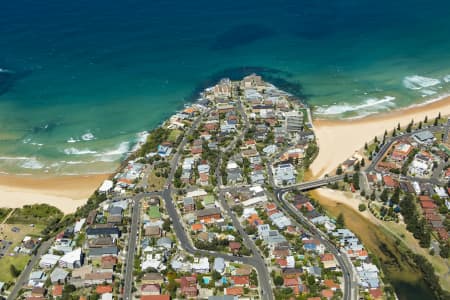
304 186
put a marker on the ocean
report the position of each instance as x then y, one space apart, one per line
81 80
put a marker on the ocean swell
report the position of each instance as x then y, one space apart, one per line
371 105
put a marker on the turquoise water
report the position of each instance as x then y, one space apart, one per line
107 70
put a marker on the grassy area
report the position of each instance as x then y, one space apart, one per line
16 237
35 214
300 174
19 261
3 213
174 134
155 183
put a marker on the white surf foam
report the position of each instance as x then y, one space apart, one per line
416 82
32 163
14 158
75 151
372 104
447 78
72 140
114 154
88 136
428 92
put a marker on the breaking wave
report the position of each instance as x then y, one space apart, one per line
88 136
416 82
370 105
32 163
75 151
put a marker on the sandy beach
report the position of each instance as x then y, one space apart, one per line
64 192
339 139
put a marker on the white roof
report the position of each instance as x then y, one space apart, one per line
72 256
106 186
107 296
254 201
256 189
197 193
79 225
49 259
203 264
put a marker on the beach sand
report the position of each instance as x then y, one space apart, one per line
340 139
64 192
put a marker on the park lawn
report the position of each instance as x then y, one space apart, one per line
155 183
174 134
34 214
19 261
3 213
17 237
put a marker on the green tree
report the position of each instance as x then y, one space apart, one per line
339 170
384 195
340 222
362 207
278 281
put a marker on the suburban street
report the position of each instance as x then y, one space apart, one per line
23 278
132 239
350 283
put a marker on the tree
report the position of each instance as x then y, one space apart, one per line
216 275
375 140
394 132
363 162
13 270
355 180
362 207
384 195
340 222
396 196
426 119
445 250
339 170
366 146
278 281
420 125
398 126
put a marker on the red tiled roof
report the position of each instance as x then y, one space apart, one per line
102 289
327 293
234 291
155 297
290 281
240 280
330 284
376 293
427 204
57 290
327 257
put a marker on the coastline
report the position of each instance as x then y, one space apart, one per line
69 192
350 135
64 192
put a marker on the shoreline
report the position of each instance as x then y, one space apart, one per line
351 135
64 192
68 192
